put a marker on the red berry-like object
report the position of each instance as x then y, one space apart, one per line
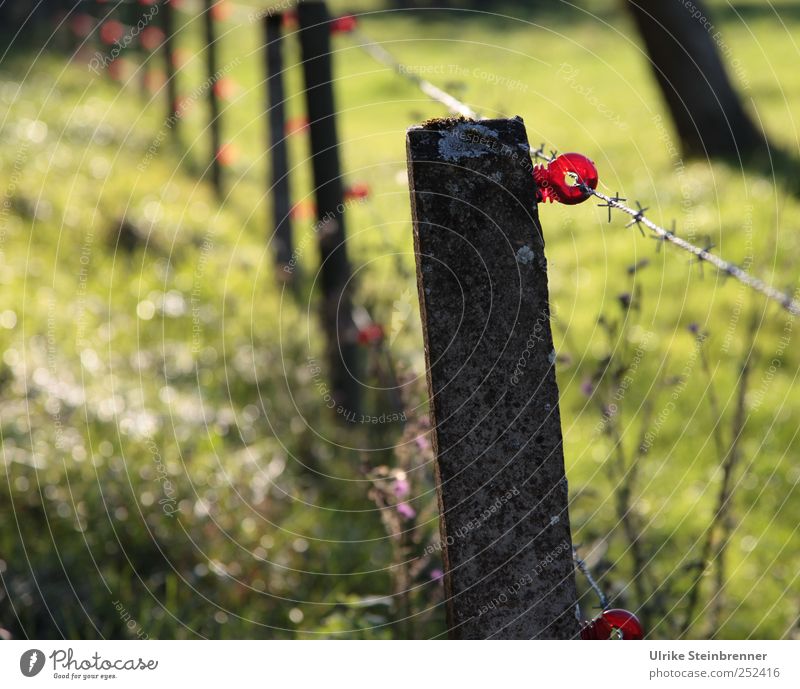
614 624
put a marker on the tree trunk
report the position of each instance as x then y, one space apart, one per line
682 42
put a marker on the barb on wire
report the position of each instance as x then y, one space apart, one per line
660 240
616 197
581 566
637 218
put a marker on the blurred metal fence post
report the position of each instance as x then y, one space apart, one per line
482 278
213 101
335 273
168 27
278 173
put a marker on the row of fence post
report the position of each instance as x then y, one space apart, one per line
482 279
335 274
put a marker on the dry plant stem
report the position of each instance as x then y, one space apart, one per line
627 517
718 531
626 474
726 490
399 539
713 403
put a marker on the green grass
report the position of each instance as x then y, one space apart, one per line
100 362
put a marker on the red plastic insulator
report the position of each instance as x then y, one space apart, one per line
344 24
563 180
614 623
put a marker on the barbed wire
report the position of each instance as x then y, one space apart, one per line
702 254
583 568
662 234
379 53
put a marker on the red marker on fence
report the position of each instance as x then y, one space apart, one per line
151 38
289 20
613 624
562 180
225 88
356 191
303 210
295 125
227 155
344 24
221 11
371 334
111 31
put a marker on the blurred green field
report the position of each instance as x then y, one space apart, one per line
174 377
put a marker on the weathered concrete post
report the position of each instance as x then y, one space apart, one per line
214 124
278 173
344 359
168 26
482 278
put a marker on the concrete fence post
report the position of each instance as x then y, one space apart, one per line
482 279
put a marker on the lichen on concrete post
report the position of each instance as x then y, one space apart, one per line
482 278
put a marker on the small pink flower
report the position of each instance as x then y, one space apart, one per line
423 443
436 574
406 510
401 488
